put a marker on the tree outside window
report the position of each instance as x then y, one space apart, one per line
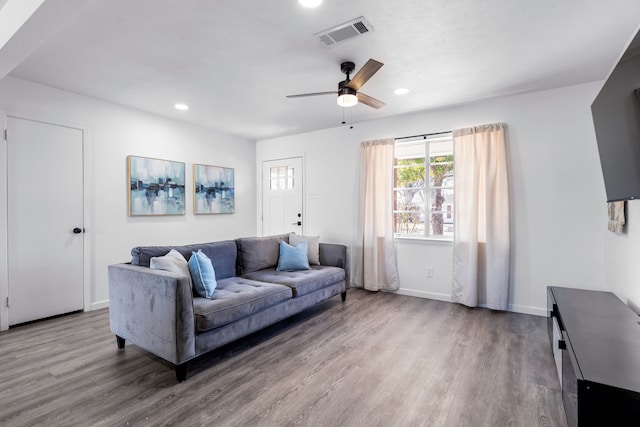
423 204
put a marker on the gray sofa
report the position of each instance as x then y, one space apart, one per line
158 311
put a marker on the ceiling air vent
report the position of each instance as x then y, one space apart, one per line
343 32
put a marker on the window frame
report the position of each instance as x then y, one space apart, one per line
427 210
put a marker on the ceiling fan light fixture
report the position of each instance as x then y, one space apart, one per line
347 97
310 3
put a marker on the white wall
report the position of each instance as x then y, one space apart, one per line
557 193
114 132
622 259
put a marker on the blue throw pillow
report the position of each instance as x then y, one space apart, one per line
293 258
202 273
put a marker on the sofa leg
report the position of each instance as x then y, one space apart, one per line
181 372
120 341
344 296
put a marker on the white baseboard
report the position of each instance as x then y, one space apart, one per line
536 311
99 304
423 294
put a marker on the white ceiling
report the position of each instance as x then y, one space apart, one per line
233 61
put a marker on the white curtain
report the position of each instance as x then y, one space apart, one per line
481 247
376 267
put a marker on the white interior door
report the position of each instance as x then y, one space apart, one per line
282 184
45 220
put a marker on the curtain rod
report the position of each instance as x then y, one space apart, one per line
423 135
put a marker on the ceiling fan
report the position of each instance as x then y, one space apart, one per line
347 92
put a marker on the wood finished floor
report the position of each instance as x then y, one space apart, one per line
377 360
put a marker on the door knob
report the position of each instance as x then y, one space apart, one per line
77 230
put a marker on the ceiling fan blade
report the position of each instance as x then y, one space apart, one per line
301 95
365 73
370 101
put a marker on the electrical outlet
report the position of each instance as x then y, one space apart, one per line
429 271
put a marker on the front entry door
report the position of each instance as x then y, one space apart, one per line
45 220
282 183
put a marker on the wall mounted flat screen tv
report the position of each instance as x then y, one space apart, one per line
616 118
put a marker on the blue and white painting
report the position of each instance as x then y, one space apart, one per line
156 187
213 190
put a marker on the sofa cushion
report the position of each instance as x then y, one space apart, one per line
235 298
141 255
222 254
314 246
301 282
203 274
293 258
256 253
174 262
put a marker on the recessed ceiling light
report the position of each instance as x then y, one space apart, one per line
182 107
310 3
401 91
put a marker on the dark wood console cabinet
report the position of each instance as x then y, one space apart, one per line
595 338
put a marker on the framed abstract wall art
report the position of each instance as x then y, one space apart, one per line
156 187
214 191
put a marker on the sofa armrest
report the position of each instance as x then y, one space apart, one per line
335 256
154 310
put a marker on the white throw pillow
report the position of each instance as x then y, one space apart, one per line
314 246
174 262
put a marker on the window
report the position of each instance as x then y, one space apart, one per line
281 177
423 187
